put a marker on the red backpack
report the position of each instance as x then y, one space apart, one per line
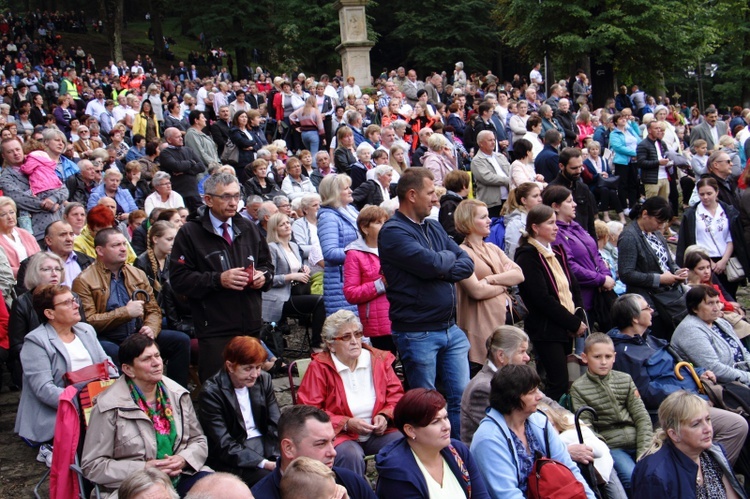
550 479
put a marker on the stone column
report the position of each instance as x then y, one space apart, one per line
355 47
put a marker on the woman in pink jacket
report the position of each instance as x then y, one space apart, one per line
364 285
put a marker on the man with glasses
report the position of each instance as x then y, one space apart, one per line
106 290
720 168
222 264
59 238
184 165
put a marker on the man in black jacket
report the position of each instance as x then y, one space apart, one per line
651 154
82 183
220 129
568 122
184 165
571 166
222 264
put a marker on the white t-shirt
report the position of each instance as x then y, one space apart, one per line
243 398
79 356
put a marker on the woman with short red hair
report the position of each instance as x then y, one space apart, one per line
244 442
98 218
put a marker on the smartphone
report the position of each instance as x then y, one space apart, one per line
250 269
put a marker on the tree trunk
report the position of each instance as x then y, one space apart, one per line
117 31
156 7
240 62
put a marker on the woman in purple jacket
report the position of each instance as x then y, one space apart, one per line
583 255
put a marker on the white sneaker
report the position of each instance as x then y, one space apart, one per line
626 211
45 455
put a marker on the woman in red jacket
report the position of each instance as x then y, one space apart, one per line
364 285
357 387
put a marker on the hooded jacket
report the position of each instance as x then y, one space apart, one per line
364 287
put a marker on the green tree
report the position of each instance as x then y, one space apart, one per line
435 34
641 39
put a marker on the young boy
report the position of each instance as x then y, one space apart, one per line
623 421
699 162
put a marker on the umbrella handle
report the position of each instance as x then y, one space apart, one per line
692 372
581 410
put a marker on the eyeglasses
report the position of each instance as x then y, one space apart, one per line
349 336
47 270
227 197
647 307
70 302
165 183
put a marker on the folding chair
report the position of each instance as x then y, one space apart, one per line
301 365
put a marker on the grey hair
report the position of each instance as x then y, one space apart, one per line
625 309
218 179
307 200
506 338
213 486
352 117
100 153
265 209
544 109
336 321
33 277
398 125
381 170
141 480
253 199
264 154
363 147
159 177
53 133
279 200
437 142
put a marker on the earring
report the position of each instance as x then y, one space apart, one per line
414 437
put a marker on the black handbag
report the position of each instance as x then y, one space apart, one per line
670 304
611 182
601 314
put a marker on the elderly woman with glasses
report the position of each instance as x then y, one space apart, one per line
356 385
163 195
111 188
62 343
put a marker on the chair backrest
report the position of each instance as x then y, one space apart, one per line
301 365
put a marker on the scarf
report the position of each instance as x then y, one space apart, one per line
561 280
161 416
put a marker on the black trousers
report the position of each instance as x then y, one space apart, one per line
553 355
628 189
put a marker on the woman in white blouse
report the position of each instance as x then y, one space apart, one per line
715 226
517 122
522 169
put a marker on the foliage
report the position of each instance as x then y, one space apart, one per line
438 34
640 38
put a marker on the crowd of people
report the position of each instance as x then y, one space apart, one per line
162 224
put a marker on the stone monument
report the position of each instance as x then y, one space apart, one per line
355 47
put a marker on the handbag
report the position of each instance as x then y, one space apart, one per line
516 310
611 182
734 270
93 372
670 304
301 288
231 152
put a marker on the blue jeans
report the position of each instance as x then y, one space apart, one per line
624 465
174 347
444 353
311 141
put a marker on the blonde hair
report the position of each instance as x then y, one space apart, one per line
602 231
677 409
558 416
330 189
273 225
463 217
306 474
